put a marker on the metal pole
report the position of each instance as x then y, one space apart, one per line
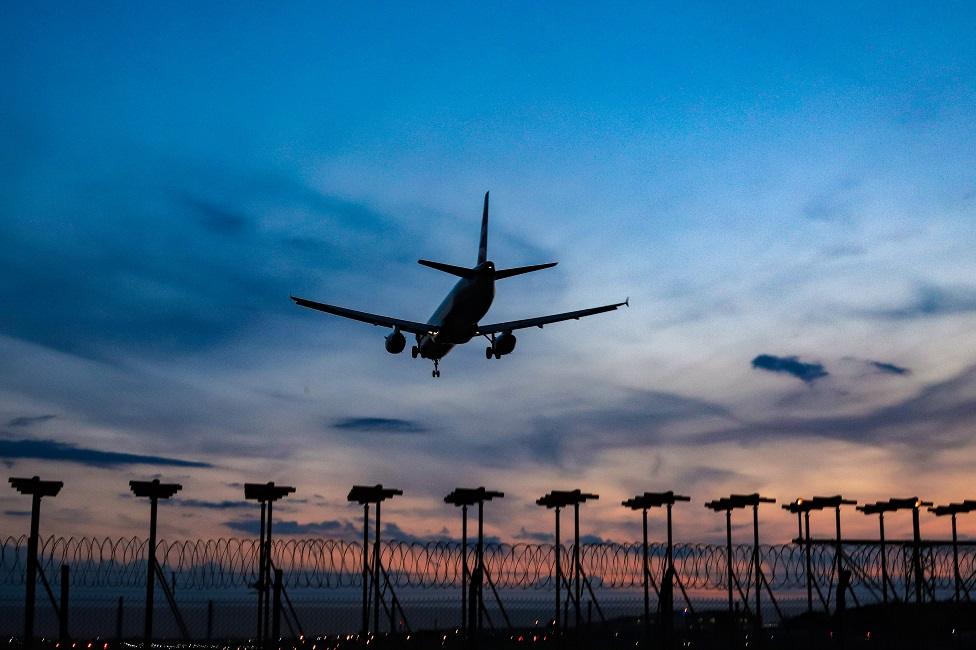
260 582
669 570
955 556
884 561
365 627
481 562
31 577
210 620
559 575
647 595
917 556
757 569
670 549
276 606
729 576
806 520
63 621
150 576
376 573
266 580
464 569
839 546
576 566
119 616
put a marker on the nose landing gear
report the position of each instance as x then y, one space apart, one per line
436 372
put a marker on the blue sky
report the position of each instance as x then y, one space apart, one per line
786 193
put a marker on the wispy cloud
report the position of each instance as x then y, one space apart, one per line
805 371
889 368
833 203
212 505
937 417
54 450
931 300
28 420
524 535
331 527
214 217
380 425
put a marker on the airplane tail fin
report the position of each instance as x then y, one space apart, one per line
459 271
519 270
483 243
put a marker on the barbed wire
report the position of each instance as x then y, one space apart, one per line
229 563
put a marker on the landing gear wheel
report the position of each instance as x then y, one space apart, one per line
498 356
488 352
414 351
436 373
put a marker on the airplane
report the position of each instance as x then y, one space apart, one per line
455 321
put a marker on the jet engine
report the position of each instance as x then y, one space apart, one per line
504 344
395 342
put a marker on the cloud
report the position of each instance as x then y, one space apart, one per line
807 372
17 513
938 417
28 420
569 438
879 367
333 528
380 425
53 450
151 282
216 218
931 300
533 536
833 203
889 368
700 474
212 505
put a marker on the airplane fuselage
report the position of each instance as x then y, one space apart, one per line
456 319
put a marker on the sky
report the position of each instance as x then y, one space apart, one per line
785 192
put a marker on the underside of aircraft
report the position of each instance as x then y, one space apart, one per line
455 321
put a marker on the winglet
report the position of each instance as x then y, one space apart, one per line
483 243
627 301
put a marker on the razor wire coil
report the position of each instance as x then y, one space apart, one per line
229 563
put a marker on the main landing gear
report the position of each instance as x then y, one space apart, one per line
490 350
414 351
436 373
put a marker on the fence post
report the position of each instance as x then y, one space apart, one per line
276 606
63 619
118 620
209 620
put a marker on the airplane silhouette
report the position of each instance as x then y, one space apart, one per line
456 319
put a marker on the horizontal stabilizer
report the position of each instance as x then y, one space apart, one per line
459 271
519 270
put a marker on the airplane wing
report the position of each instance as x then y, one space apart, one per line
365 317
494 328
